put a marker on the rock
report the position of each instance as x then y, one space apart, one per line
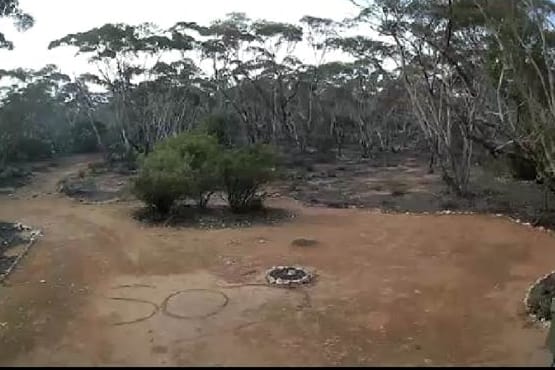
304 242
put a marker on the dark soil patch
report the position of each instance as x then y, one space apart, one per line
10 236
400 182
217 217
14 176
97 183
6 262
304 242
540 296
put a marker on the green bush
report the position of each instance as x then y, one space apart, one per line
183 166
221 126
30 149
522 168
244 171
84 138
194 165
163 178
201 154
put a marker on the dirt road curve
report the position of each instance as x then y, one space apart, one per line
390 289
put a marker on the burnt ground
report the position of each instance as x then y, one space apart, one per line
97 181
400 182
540 296
216 216
392 182
390 289
17 175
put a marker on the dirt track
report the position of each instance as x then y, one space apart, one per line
391 289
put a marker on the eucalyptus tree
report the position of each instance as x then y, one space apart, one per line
124 54
317 33
23 21
438 54
521 61
32 122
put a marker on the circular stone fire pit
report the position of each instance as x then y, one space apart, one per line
288 275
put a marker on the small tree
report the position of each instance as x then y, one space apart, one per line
164 177
200 153
244 171
223 126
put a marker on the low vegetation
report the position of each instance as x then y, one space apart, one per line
456 81
196 166
243 172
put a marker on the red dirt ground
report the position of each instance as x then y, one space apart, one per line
390 289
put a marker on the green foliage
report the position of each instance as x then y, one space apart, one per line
200 153
164 177
32 124
244 171
111 40
183 166
22 20
522 168
32 149
222 126
194 165
83 138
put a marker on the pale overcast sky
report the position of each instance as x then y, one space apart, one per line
56 18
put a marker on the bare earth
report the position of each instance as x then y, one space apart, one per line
101 289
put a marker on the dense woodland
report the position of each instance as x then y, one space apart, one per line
455 79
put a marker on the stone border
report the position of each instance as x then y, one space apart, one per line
307 278
463 213
95 202
545 323
35 234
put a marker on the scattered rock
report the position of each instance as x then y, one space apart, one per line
288 276
304 242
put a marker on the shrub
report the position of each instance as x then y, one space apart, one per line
163 178
201 154
244 171
84 138
221 126
522 168
183 166
30 149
